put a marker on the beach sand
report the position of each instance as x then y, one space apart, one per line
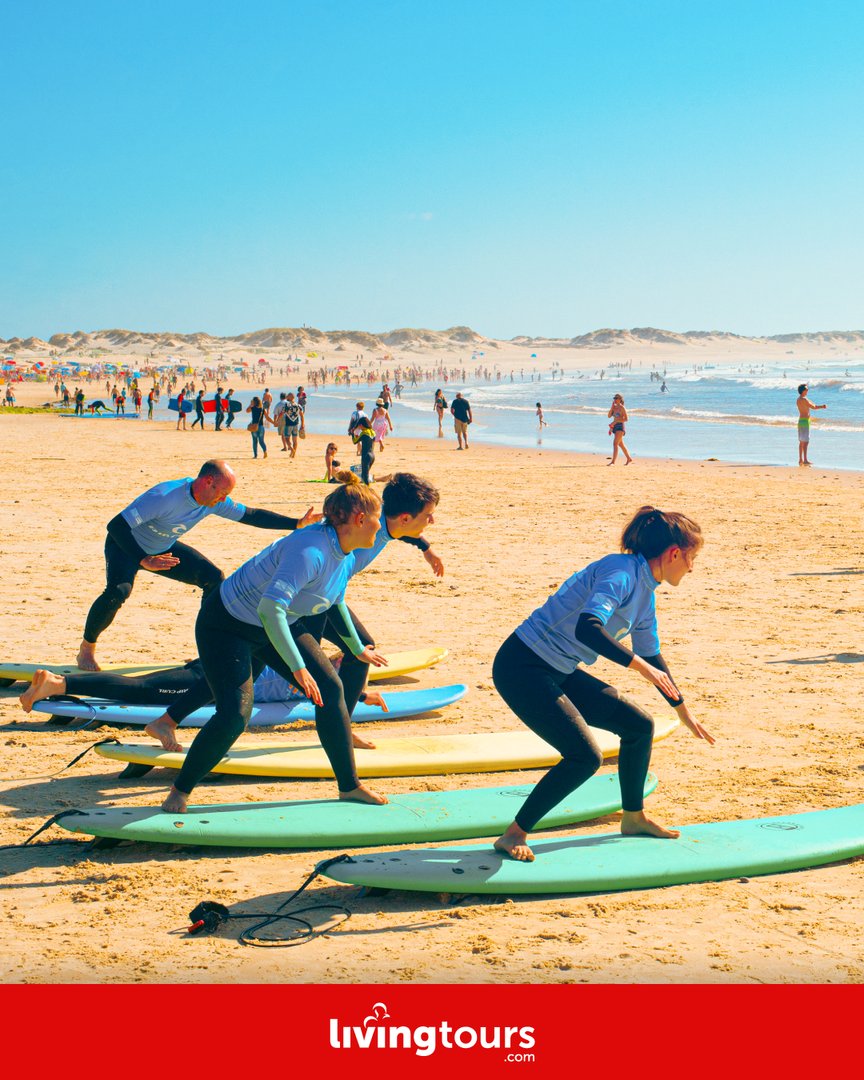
763 639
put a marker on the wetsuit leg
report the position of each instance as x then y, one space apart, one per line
120 571
603 707
193 569
533 690
225 647
155 688
367 457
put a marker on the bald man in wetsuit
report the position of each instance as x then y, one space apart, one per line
146 535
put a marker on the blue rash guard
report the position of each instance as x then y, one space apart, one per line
163 514
618 590
364 556
304 574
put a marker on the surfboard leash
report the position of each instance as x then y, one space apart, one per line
209 915
68 765
46 825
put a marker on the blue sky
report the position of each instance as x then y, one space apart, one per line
522 168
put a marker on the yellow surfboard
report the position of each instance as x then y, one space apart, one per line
425 755
401 663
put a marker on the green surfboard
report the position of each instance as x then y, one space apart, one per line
415 818
608 862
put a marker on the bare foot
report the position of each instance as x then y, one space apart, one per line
163 730
361 744
44 684
86 658
175 803
635 823
364 795
513 843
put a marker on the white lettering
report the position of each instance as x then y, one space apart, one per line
445 1035
527 1038
334 1035
400 1032
424 1037
508 1036
495 1039
465 1037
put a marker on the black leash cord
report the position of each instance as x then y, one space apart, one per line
50 776
208 915
42 828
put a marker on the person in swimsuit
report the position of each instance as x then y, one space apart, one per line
381 422
146 535
540 419
538 670
439 405
272 609
805 407
330 463
616 429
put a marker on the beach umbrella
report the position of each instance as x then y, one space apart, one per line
533 355
262 361
311 355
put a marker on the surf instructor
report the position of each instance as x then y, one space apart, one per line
146 535
540 675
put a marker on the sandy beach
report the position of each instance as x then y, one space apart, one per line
763 639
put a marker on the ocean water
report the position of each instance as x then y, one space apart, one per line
736 413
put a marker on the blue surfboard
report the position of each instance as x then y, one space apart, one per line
400 703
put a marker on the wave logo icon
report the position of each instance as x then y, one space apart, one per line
379 1013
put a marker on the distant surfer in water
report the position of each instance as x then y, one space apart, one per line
538 670
146 535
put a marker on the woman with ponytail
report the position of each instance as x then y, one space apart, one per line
270 611
539 670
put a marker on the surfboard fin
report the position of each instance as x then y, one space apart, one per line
133 770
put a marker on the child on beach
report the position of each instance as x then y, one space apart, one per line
538 670
542 422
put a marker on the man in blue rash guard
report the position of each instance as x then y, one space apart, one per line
267 611
146 535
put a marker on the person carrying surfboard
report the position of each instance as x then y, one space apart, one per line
145 535
271 608
539 671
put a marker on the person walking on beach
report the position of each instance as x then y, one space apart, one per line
360 430
272 608
381 422
805 407
150 402
461 410
146 536
541 421
229 409
439 406
256 425
293 424
217 398
199 410
181 418
619 418
538 670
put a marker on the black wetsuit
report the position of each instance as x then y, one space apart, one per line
560 706
123 558
231 650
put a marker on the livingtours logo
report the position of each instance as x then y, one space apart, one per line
427 1039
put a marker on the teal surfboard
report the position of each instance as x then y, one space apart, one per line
608 862
419 817
400 704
